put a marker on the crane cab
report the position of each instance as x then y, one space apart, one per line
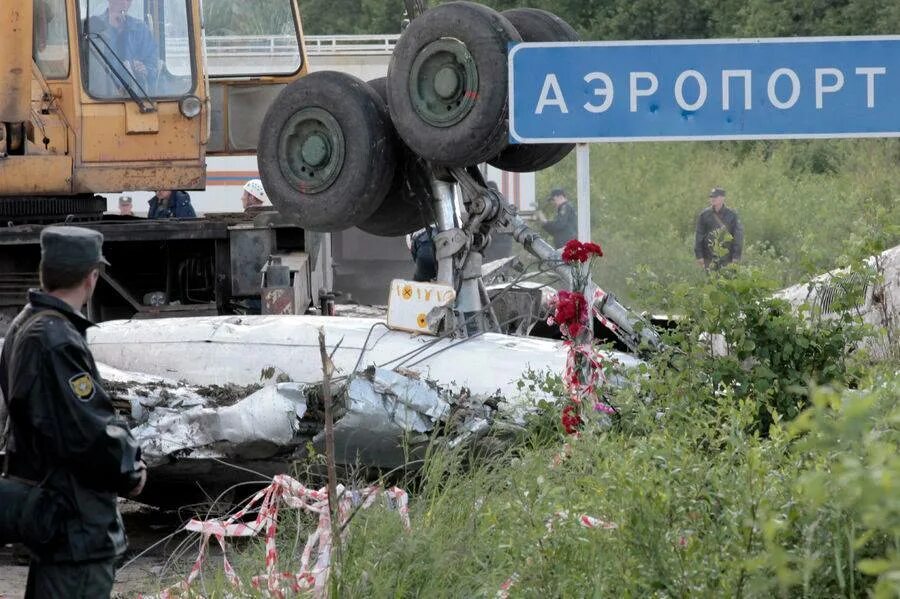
118 95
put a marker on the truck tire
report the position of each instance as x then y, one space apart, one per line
535 25
403 208
326 153
448 86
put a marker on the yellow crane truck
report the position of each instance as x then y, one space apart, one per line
102 96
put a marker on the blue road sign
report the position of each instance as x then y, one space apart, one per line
705 89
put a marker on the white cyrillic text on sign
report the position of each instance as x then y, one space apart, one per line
645 84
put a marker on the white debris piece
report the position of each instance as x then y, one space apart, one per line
232 349
258 426
877 292
173 419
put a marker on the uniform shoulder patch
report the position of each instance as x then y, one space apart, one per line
82 386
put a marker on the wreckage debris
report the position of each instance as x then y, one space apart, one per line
393 389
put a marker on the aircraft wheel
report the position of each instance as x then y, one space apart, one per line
408 200
447 84
535 25
326 153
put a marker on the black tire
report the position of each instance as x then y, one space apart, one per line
535 25
408 200
345 125
474 127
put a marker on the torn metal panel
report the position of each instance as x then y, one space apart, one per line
257 427
417 404
390 416
171 419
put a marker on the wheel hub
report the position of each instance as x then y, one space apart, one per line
311 149
443 82
315 150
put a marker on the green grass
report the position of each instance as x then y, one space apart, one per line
805 205
703 508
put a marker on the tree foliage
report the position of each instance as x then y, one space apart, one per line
323 17
263 17
643 19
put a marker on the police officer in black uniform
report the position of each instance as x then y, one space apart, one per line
63 431
565 226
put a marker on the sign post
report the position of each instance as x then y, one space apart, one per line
583 174
790 88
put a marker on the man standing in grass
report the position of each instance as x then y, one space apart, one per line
565 226
719 239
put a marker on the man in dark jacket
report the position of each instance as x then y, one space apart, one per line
171 204
127 39
63 431
719 239
565 226
421 246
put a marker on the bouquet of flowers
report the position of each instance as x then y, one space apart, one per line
572 312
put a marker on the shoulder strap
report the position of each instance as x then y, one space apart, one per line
719 220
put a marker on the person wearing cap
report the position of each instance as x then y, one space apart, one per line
254 195
565 226
501 243
171 204
126 206
64 434
719 239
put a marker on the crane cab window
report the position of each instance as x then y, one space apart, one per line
246 38
51 38
136 48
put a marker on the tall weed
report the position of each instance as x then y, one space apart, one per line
802 204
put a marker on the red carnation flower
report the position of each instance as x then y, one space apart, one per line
570 311
576 251
573 251
593 249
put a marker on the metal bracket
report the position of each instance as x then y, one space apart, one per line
450 242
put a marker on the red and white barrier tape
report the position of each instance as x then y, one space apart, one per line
589 368
285 489
596 302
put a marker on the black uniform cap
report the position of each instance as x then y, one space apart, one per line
71 247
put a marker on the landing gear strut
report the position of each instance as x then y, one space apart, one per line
466 213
